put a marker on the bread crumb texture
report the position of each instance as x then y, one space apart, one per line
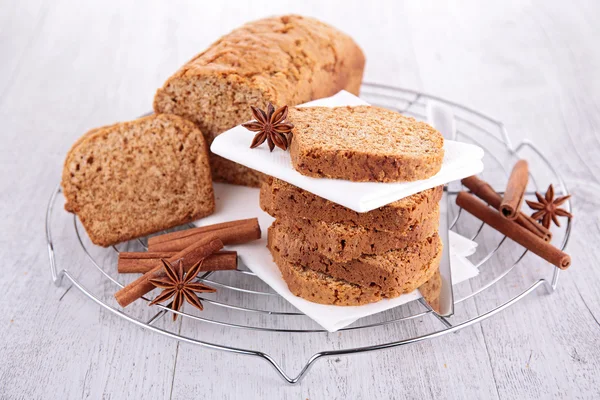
393 273
330 254
363 143
324 289
281 199
344 242
135 178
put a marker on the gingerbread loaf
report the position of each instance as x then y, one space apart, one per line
135 178
285 60
363 144
281 199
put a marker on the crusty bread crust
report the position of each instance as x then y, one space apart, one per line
285 60
135 178
283 200
363 143
395 272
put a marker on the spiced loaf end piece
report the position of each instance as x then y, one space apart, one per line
281 199
285 60
393 273
139 177
363 143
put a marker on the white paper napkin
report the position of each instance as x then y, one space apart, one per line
460 160
237 202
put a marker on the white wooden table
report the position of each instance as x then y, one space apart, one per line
68 66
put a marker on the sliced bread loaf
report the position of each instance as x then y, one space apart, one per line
343 242
283 200
395 272
363 143
135 178
285 60
324 289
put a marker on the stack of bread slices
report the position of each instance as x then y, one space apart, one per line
330 254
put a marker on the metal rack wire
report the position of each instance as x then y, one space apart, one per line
473 127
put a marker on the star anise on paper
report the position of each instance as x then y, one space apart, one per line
270 126
180 286
547 208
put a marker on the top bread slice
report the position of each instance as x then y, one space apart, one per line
286 60
363 144
135 178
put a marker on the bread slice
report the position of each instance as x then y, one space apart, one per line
343 242
363 143
135 178
324 289
394 272
285 60
283 200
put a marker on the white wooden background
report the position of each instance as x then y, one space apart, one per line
66 66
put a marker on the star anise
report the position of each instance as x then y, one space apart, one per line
270 126
180 286
547 208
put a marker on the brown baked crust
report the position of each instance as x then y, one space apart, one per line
342 242
283 200
363 143
324 289
135 178
285 60
395 272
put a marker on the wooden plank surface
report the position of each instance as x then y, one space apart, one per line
69 66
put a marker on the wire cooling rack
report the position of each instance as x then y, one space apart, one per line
240 293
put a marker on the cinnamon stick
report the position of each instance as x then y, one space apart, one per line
233 232
485 192
142 262
515 190
513 230
200 249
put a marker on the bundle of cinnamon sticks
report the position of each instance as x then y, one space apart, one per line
189 246
505 216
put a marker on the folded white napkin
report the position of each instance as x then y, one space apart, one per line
460 160
237 202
